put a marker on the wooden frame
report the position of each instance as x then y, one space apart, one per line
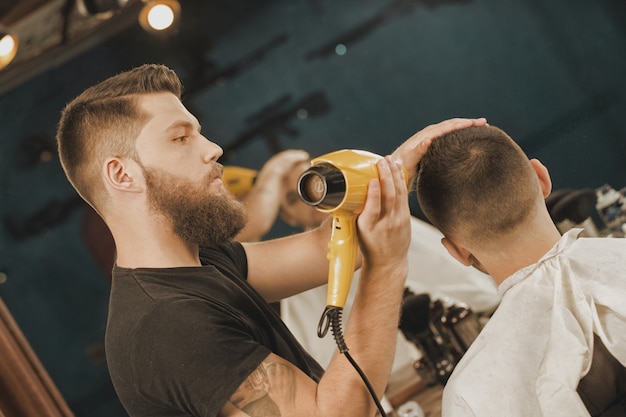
26 389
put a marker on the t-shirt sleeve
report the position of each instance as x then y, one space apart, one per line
200 374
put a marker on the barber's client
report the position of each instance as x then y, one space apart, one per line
556 344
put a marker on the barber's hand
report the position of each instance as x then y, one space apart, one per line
384 225
412 150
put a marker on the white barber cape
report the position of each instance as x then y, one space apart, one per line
528 359
431 269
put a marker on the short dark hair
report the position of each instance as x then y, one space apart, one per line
476 183
104 121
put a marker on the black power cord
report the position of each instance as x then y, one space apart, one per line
332 318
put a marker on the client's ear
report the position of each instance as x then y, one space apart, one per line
458 251
543 176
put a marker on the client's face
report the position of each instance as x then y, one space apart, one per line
198 214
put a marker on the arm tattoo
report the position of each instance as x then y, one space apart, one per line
271 384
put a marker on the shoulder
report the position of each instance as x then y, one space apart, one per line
602 259
229 250
599 247
228 257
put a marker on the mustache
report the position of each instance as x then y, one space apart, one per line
216 172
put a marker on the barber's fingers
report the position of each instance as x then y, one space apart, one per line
441 128
384 225
400 182
387 195
393 186
379 192
372 208
414 148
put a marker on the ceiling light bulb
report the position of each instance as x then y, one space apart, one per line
161 17
8 48
7 44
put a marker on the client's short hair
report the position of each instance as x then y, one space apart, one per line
476 183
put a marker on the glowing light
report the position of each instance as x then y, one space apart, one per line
7 45
8 48
161 17
340 49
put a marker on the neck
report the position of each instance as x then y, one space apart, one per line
517 250
150 243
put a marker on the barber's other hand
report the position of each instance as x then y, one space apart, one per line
412 150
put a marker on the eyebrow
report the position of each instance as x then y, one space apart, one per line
185 124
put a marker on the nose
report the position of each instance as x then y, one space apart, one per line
211 152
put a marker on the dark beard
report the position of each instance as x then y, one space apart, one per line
196 215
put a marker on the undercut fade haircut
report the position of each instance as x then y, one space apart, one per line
476 183
104 122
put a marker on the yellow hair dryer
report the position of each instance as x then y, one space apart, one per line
336 183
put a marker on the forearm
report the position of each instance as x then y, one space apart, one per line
286 266
370 336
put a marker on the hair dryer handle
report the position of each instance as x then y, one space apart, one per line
342 251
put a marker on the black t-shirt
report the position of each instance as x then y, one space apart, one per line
180 341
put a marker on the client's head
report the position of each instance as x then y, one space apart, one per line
476 185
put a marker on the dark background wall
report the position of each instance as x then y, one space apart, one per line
265 76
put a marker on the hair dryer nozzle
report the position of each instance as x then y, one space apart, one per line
322 186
